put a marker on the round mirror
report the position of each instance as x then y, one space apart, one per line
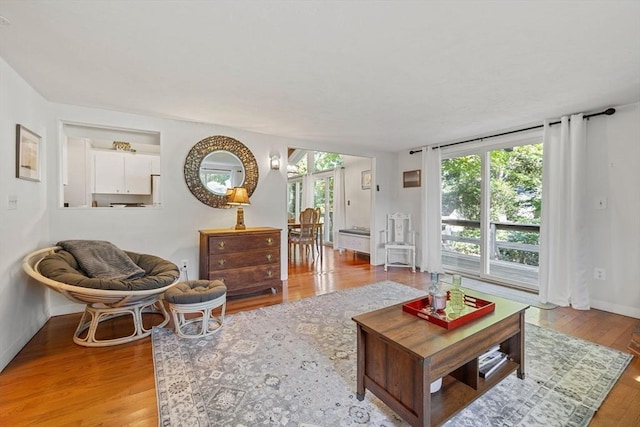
217 163
221 170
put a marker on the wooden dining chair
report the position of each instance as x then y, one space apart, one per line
304 238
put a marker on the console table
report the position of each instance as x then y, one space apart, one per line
248 260
400 355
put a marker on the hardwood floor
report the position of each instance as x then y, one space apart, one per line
55 382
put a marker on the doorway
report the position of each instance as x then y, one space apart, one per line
331 183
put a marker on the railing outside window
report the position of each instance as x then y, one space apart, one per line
513 247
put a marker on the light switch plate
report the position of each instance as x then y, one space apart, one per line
12 202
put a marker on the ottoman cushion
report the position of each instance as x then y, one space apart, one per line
195 291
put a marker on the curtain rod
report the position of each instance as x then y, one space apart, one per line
608 112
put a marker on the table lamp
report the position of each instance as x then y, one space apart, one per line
238 196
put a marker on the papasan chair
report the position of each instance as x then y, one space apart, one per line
126 283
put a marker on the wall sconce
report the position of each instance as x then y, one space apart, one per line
274 161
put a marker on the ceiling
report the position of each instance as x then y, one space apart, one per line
384 75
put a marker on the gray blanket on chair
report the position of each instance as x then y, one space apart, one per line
98 258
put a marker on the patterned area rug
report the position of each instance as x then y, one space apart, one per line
294 364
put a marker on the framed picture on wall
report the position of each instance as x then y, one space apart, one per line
27 154
411 178
365 180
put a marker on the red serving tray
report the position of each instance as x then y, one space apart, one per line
474 308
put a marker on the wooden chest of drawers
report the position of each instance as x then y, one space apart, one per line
248 260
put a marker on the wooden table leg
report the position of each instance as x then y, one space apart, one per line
360 366
424 412
520 347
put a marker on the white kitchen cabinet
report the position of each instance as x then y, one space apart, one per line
121 172
155 165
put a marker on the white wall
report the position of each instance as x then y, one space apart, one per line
358 208
76 191
384 199
614 175
23 306
409 198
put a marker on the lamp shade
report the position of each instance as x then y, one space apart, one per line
238 196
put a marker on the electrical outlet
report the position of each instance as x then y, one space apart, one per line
599 274
185 265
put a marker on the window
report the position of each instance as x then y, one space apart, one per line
323 199
294 199
326 161
491 200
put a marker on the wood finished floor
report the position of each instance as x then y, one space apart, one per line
55 382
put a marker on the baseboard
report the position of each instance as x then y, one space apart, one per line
616 308
70 308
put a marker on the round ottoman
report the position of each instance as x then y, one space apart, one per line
198 298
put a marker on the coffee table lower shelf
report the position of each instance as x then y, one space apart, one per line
456 395
453 396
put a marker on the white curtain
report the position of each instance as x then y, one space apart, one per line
563 271
307 192
339 204
431 242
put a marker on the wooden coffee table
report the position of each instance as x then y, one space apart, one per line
399 355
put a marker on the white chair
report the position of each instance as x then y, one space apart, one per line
399 241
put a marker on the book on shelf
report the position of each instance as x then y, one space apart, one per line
489 356
491 365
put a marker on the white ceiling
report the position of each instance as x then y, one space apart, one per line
387 75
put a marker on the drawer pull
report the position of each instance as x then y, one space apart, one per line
269 273
269 256
222 262
269 240
221 244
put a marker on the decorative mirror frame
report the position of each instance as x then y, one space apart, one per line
205 147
